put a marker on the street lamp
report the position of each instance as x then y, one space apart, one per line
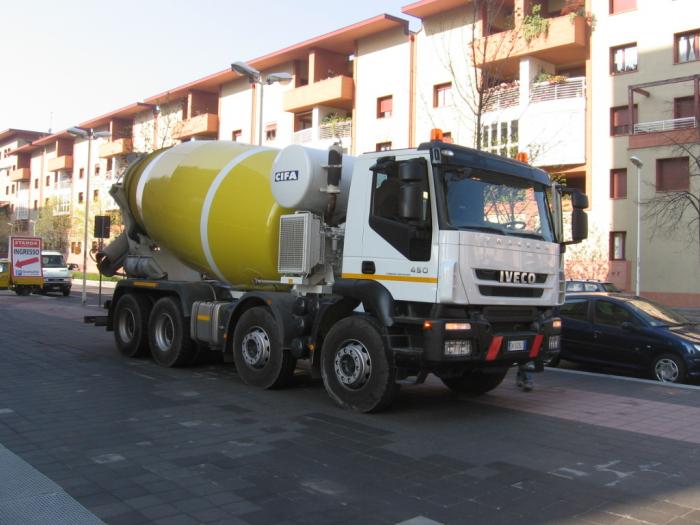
255 77
88 134
638 163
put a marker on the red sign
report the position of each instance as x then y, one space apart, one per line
25 258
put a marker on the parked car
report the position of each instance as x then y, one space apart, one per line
590 286
630 332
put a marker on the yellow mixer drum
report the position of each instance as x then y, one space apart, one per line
210 204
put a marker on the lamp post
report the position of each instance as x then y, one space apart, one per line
638 163
88 134
255 77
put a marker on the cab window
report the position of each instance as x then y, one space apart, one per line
410 235
611 314
575 309
4 267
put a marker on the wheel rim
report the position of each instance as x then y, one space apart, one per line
164 332
127 325
352 365
255 348
667 370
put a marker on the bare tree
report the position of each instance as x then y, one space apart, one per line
54 228
676 214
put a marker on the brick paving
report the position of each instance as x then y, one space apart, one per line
135 443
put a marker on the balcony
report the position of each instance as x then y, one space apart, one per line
116 147
664 133
20 174
64 162
206 124
498 98
337 92
565 42
324 135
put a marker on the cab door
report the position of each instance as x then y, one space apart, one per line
399 245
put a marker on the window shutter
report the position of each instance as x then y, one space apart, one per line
385 105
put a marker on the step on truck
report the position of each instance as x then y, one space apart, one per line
372 270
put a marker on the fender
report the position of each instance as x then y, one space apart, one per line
375 298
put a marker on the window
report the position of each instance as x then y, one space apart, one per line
95 195
620 122
620 6
97 169
623 59
48 180
611 314
441 95
76 247
672 174
683 107
687 46
110 164
575 309
447 137
36 204
383 146
618 183
81 197
36 184
55 178
411 236
617 246
13 189
7 190
46 202
270 132
81 173
384 106
236 135
501 138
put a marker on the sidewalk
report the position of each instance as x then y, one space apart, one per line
27 496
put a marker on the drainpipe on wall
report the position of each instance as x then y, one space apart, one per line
411 91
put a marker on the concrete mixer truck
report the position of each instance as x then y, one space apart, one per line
371 271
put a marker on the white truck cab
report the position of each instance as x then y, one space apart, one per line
57 277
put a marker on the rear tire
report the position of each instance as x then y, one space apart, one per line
357 369
65 292
669 368
23 290
167 335
257 351
476 382
131 324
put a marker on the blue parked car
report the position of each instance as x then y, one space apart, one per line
629 332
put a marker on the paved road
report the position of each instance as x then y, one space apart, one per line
135 443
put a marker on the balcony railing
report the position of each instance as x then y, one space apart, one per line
665 125
337 130
546 91
501 98
20 174
304 136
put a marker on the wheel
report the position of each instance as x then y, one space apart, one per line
257 351
131 324
669 368
357 369
23 290
168 336
476 382
65 292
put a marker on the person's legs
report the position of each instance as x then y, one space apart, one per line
524 377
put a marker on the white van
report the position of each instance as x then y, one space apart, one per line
57 278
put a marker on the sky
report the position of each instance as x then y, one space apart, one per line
68 61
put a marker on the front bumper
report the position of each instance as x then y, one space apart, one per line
483 343
56 283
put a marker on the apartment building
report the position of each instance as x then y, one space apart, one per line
559 79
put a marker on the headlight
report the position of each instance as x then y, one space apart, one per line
696 348
461 347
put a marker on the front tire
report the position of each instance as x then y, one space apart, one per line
23 290
257 351
476 382
357 369
170 343
131 324
65 292
669 368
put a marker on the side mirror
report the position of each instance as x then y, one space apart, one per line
579 218
412 175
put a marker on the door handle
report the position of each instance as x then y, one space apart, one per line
596 334
368 267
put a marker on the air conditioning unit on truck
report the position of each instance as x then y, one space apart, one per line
374 269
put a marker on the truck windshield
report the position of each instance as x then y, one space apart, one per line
476 199
52 261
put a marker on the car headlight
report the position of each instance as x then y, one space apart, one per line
696 347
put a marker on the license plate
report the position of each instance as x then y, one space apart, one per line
517 346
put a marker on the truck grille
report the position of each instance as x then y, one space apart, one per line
510 291
495 275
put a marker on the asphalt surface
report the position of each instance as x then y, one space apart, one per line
124 441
